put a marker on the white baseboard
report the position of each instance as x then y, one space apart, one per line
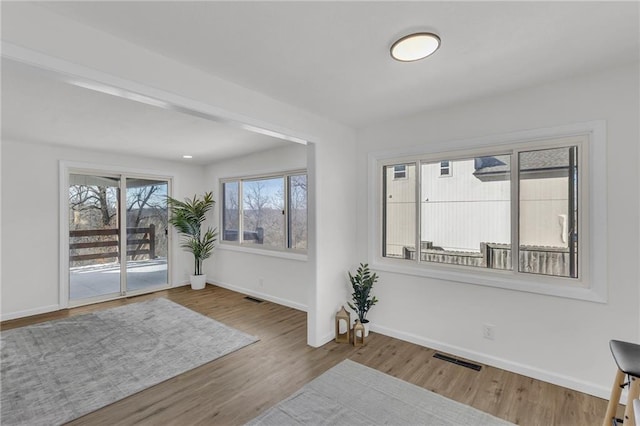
326 339
263 296
50 308
515 367
29 312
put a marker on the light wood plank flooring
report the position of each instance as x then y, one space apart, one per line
235 388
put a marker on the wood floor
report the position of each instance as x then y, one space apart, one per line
235 388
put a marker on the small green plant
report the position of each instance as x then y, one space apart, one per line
362 282
187 217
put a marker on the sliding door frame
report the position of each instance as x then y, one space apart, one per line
67 168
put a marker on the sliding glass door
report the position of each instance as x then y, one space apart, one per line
118 239
94 229
146 233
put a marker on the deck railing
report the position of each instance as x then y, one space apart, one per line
533 259
148 239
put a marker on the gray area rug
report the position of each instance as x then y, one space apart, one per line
353 394
59 370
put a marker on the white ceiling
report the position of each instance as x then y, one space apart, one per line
39 107
332 58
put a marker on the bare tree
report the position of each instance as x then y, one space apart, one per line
140 199
231 206
145 204
85 197
298 211
257 200
96 206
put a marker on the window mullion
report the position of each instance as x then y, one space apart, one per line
382 225
122 227
287 225
574 169
418 195
515 212
240 211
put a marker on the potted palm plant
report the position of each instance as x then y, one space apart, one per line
362 283
188 217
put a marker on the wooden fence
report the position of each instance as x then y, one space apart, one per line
148 239
257 235
533 259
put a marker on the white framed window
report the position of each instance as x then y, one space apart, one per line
520 212
265 212
445 168
400 171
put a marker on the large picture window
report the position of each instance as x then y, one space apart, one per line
511 209
266 211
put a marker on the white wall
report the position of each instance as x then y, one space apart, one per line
38 36
31 219
332 226
556 339
281 280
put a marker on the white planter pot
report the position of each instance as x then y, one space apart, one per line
198 281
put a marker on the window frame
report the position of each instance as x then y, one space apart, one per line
591 282
286 251
67 168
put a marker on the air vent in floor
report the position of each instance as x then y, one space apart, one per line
457 361
253 299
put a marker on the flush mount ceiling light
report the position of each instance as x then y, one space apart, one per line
414 47
187 156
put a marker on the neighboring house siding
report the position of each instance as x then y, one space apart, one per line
543 208
474 210
401 212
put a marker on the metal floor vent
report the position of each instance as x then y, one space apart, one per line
457 361
253 299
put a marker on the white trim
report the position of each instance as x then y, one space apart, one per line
30 312
92 79
263 296
271 173
513 138
63 239
82 167
54 308
291 255
592 284
313 298
323 340
116 296
515 367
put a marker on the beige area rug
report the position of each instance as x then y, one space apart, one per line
59 370
353 394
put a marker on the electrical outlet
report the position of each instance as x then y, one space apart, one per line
260 282
488 331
